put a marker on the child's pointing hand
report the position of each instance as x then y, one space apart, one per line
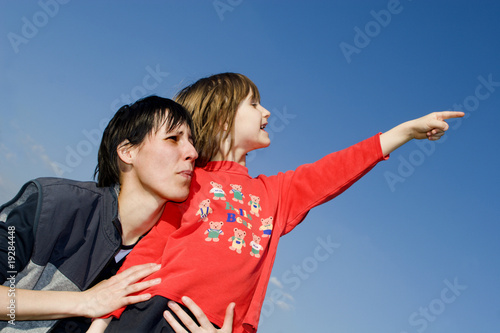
431 126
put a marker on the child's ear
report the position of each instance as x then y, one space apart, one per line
126 152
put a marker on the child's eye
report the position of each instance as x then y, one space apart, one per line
173 138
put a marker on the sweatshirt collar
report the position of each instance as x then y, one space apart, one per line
226 166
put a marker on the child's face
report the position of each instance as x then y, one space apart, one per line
163 163
249 123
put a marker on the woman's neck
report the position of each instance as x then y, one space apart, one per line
138 214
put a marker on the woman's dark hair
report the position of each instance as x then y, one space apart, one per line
133 122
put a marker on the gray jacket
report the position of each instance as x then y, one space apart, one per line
63 232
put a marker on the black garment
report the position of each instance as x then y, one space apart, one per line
146 317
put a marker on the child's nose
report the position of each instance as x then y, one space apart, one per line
265 113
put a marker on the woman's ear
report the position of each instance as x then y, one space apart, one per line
126 152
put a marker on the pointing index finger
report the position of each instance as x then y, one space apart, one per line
450 114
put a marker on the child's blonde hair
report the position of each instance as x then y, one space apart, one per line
212 102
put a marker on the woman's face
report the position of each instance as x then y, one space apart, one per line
163 163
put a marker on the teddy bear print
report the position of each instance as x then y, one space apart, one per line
256 247
236 191
267 226
217 190
254 205
204 209
214 231
237 240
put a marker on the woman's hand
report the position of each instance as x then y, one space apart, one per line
205 325
117 291
105 297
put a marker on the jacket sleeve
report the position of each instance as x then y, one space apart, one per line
313 184
17 229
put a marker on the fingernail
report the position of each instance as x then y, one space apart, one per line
156 281
157 267
171 304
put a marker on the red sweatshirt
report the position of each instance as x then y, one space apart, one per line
230 227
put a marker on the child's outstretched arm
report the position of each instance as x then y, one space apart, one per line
431 126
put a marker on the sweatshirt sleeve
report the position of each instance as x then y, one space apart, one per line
313 184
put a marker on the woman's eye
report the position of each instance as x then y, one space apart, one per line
173 138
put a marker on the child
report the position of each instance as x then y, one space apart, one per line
234 262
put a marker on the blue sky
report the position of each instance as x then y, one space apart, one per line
412 247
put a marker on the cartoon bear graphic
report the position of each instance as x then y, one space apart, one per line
214 231
256 247
217 190
254 205
238 240
267 226
237 194
204 209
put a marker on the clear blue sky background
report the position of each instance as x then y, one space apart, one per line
415 242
